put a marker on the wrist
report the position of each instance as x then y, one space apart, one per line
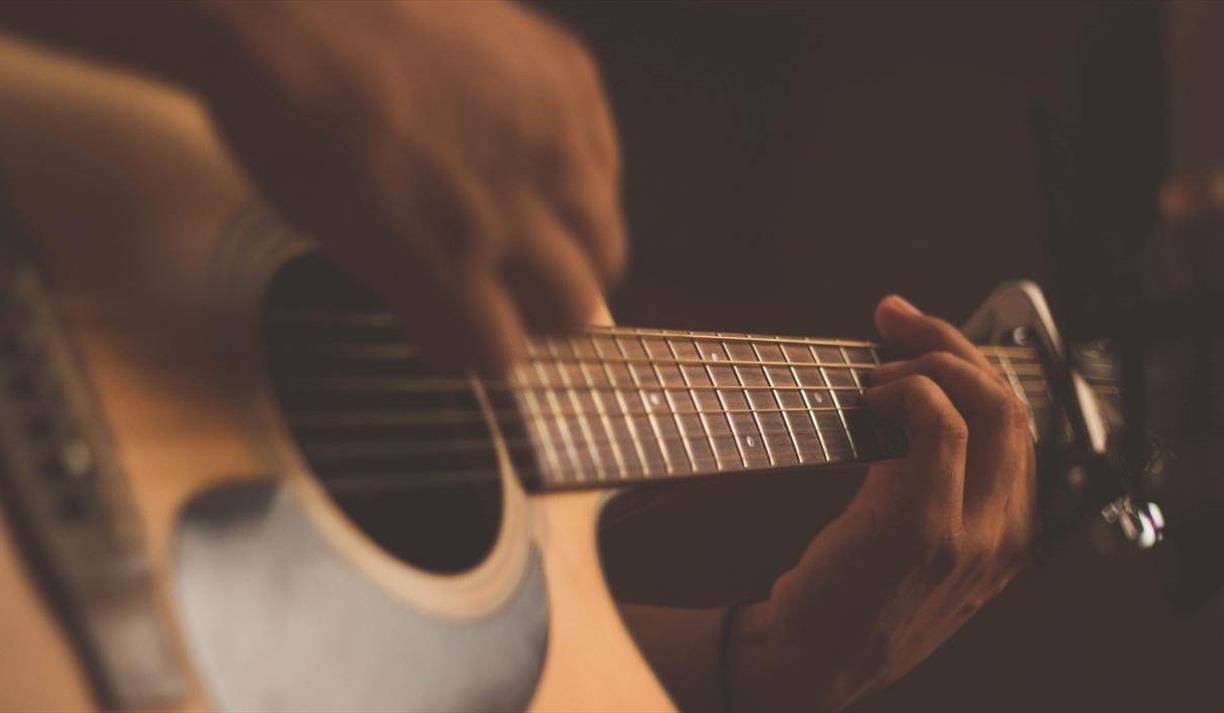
767 670
752 666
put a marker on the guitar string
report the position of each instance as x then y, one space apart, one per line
318 451
708 463
1019 354
351 348
381 385
341 417
337 480
426 417
390 322
460 445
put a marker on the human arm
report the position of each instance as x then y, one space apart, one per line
927 541
458 157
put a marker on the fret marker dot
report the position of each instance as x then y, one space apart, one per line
818 398
750 441
655 400
713 356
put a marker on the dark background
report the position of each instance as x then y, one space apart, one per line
787 165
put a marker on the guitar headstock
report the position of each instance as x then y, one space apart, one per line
1078 428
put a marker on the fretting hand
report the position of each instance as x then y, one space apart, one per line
927 541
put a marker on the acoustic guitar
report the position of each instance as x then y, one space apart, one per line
229 483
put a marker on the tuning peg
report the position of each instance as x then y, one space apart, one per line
1140 521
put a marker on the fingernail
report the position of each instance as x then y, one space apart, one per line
903 304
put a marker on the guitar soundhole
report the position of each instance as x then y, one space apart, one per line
404 452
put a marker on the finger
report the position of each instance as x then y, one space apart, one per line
463 321
976 394
472 323
583 174
601 137
998 427
902 326
549 276
588 204
934 467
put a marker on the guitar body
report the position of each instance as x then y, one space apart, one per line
157 262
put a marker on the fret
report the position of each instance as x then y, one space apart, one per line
801 342
749 437
809 443
543 428
690 429
1010 374
388 384
618 409
811 380
826 356
623 405
833 432
645 405
865 431
783 443
623 410
891 440
694 358
754 388
646 439
864 359
796 354
666 427
719 427
585 401
580 458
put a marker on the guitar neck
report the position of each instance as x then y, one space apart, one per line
619 406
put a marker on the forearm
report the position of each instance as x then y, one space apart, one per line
703 670
764 673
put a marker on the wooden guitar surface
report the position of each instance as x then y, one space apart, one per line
127 190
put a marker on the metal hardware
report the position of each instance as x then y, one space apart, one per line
62 489
1080 472
1140 521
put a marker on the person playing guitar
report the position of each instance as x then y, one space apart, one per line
462 160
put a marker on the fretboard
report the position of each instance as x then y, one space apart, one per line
618 406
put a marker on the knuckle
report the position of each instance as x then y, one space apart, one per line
922 392
952 428
1017 412
1013 550
945 557
940 361
939 332
939 551
1010 412
948 334
584 63
574 53
926 400
613 254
